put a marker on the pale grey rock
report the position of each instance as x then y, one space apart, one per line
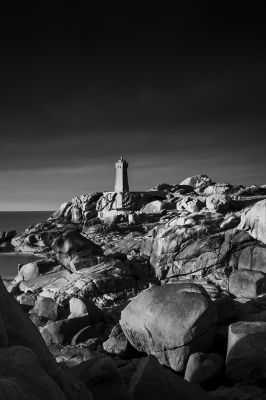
171 322
253 220
218 203
248 284
61 210
197 181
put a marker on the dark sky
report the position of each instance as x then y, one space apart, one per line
178 92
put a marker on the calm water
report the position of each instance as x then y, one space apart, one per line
18 220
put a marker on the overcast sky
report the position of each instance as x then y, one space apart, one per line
177 93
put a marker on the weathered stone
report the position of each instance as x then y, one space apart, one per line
248 284
48 309
197 181
63 331
171 322
218 203
34 269
80 307
21 331
152 381
153 207
245 358
71 241
203 368
253 220
23 378
117 343
102 378
243 392
61 210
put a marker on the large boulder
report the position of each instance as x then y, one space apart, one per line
71 241
21 377
152 381
253 220
248 284
246 358
197 181
171 322
188 245
22 332
218 202
61 210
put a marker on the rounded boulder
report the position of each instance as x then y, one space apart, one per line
171 322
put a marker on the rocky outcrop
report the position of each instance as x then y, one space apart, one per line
253 220
174 265
170 322
34 359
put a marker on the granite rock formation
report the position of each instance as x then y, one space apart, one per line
132 285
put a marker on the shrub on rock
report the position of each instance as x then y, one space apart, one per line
171 322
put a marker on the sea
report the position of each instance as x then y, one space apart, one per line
18 220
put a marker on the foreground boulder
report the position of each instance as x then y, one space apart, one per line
246 358
20 331
171 322
253 220
102 378
248 284
21 377
152 381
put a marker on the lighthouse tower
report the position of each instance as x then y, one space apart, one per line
121 181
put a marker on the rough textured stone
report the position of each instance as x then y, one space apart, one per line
203 368
117 343
248 284
253 220
21 331
71 241
246 359
171 322
47 308
21 377
152 381
101 377
63 331
218 203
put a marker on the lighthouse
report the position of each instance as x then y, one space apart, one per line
121 180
